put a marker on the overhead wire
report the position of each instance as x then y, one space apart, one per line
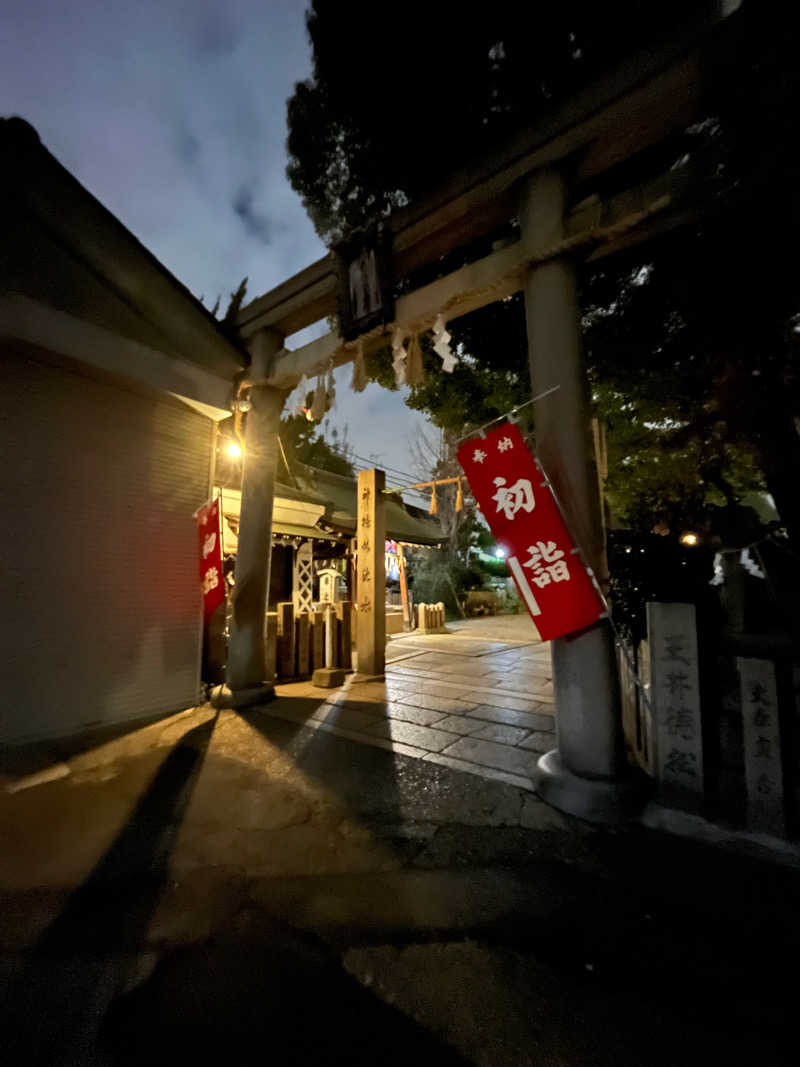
404 486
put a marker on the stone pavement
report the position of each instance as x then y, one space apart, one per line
239 887
478 699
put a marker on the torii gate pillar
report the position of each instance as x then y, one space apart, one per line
246 680
586 774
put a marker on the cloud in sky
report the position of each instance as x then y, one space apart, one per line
173 114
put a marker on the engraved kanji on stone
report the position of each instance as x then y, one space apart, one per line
514 498
761 717
763 749
674 645
681 763
365 546
365 493
758 694
678 684
365 575
365 522
680 723
764 786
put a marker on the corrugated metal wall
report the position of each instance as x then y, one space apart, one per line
100 602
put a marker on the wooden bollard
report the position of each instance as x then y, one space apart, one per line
271 644
286 641
344 616
317 640
330 638
303 649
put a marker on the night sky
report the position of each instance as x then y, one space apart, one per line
173 114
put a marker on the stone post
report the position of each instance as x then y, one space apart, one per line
331 675
344 613
586 774
675 699
246 675
761 733
371 584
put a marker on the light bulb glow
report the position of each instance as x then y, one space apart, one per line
689 539
234 450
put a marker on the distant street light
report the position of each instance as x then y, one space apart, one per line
689 539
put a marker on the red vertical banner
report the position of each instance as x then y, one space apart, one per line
522 513
210 544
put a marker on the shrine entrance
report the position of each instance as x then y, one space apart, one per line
585 182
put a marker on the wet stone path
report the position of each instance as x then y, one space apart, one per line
478 699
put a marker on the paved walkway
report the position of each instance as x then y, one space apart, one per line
217 883
477 699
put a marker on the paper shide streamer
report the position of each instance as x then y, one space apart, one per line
360 379
399 356
324 394
441 345
745 559
297 403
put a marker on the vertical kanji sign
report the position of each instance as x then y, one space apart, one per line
523 516
211 580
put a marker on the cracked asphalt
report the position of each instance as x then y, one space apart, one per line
242 887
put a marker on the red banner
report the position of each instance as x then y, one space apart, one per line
211 579
523 516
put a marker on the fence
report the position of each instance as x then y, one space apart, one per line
297 643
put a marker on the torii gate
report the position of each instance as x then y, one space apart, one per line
635 107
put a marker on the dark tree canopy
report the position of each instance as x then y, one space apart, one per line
691 341
400 97
303 443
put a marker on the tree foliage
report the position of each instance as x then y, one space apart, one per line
303 443
399 98
692 341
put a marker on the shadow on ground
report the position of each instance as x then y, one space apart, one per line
263 994
469 924
51 1008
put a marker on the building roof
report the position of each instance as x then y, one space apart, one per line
324 506
65 250
403 521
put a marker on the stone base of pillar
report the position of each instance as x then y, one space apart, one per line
357 679
594 799
223 697
328 677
